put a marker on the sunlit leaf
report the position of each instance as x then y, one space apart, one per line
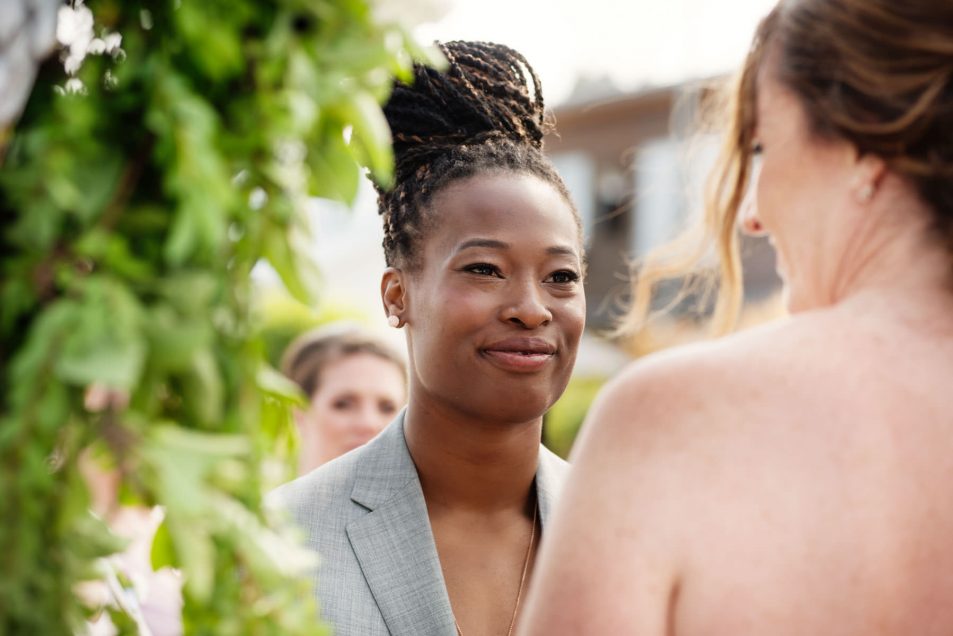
162 553
371 135
276 385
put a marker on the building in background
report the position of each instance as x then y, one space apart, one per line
637 169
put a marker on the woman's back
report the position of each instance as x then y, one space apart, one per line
827 508
793 479
789 480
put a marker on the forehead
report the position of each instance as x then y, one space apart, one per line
774 102
770 96
360 370
522 210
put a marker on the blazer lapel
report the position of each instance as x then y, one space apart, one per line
550 475
394 544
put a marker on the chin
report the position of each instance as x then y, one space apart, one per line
519 413
516 407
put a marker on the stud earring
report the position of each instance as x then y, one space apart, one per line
866 192
393 321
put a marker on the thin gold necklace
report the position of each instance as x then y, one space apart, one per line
519 591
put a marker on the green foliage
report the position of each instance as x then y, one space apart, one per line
133 213
281 319
564 419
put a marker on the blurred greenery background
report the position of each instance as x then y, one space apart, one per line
166 148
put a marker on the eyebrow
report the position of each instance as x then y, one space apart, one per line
555 250
481 242
561 250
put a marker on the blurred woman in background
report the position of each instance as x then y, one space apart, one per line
794 479
355 385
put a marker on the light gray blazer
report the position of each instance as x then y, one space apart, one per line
365 515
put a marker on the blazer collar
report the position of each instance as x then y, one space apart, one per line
550 476
394 543
385 467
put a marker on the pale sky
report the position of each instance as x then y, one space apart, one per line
635 42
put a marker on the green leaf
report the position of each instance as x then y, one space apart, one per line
105 344
173 339
162 553
216 50
208 447
371 136
197 557
290 265
99 183
427 54
204 390
335 174
278 386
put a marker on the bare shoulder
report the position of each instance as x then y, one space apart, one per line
721 381
851 359
680 424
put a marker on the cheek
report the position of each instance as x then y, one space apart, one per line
573 317
325 418
464 299
455 310
383 417
570 302
767 195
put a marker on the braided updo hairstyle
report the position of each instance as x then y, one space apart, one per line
484 114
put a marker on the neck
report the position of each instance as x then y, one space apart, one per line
468 463
899 255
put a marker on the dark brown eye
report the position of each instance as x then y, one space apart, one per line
343 403
564 277
482 269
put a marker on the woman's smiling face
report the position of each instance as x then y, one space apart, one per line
801 191
496 307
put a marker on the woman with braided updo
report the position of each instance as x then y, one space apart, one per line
432 527
794 479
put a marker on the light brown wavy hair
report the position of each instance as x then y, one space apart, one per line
310 354
876 73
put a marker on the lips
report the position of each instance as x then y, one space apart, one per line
520 355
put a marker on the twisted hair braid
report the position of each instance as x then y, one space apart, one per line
485 113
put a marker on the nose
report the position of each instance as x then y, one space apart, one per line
750 223
526 306
368 420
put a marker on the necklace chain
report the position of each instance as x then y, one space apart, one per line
519 590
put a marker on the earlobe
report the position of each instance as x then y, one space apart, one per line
394 297
870 171
872 166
